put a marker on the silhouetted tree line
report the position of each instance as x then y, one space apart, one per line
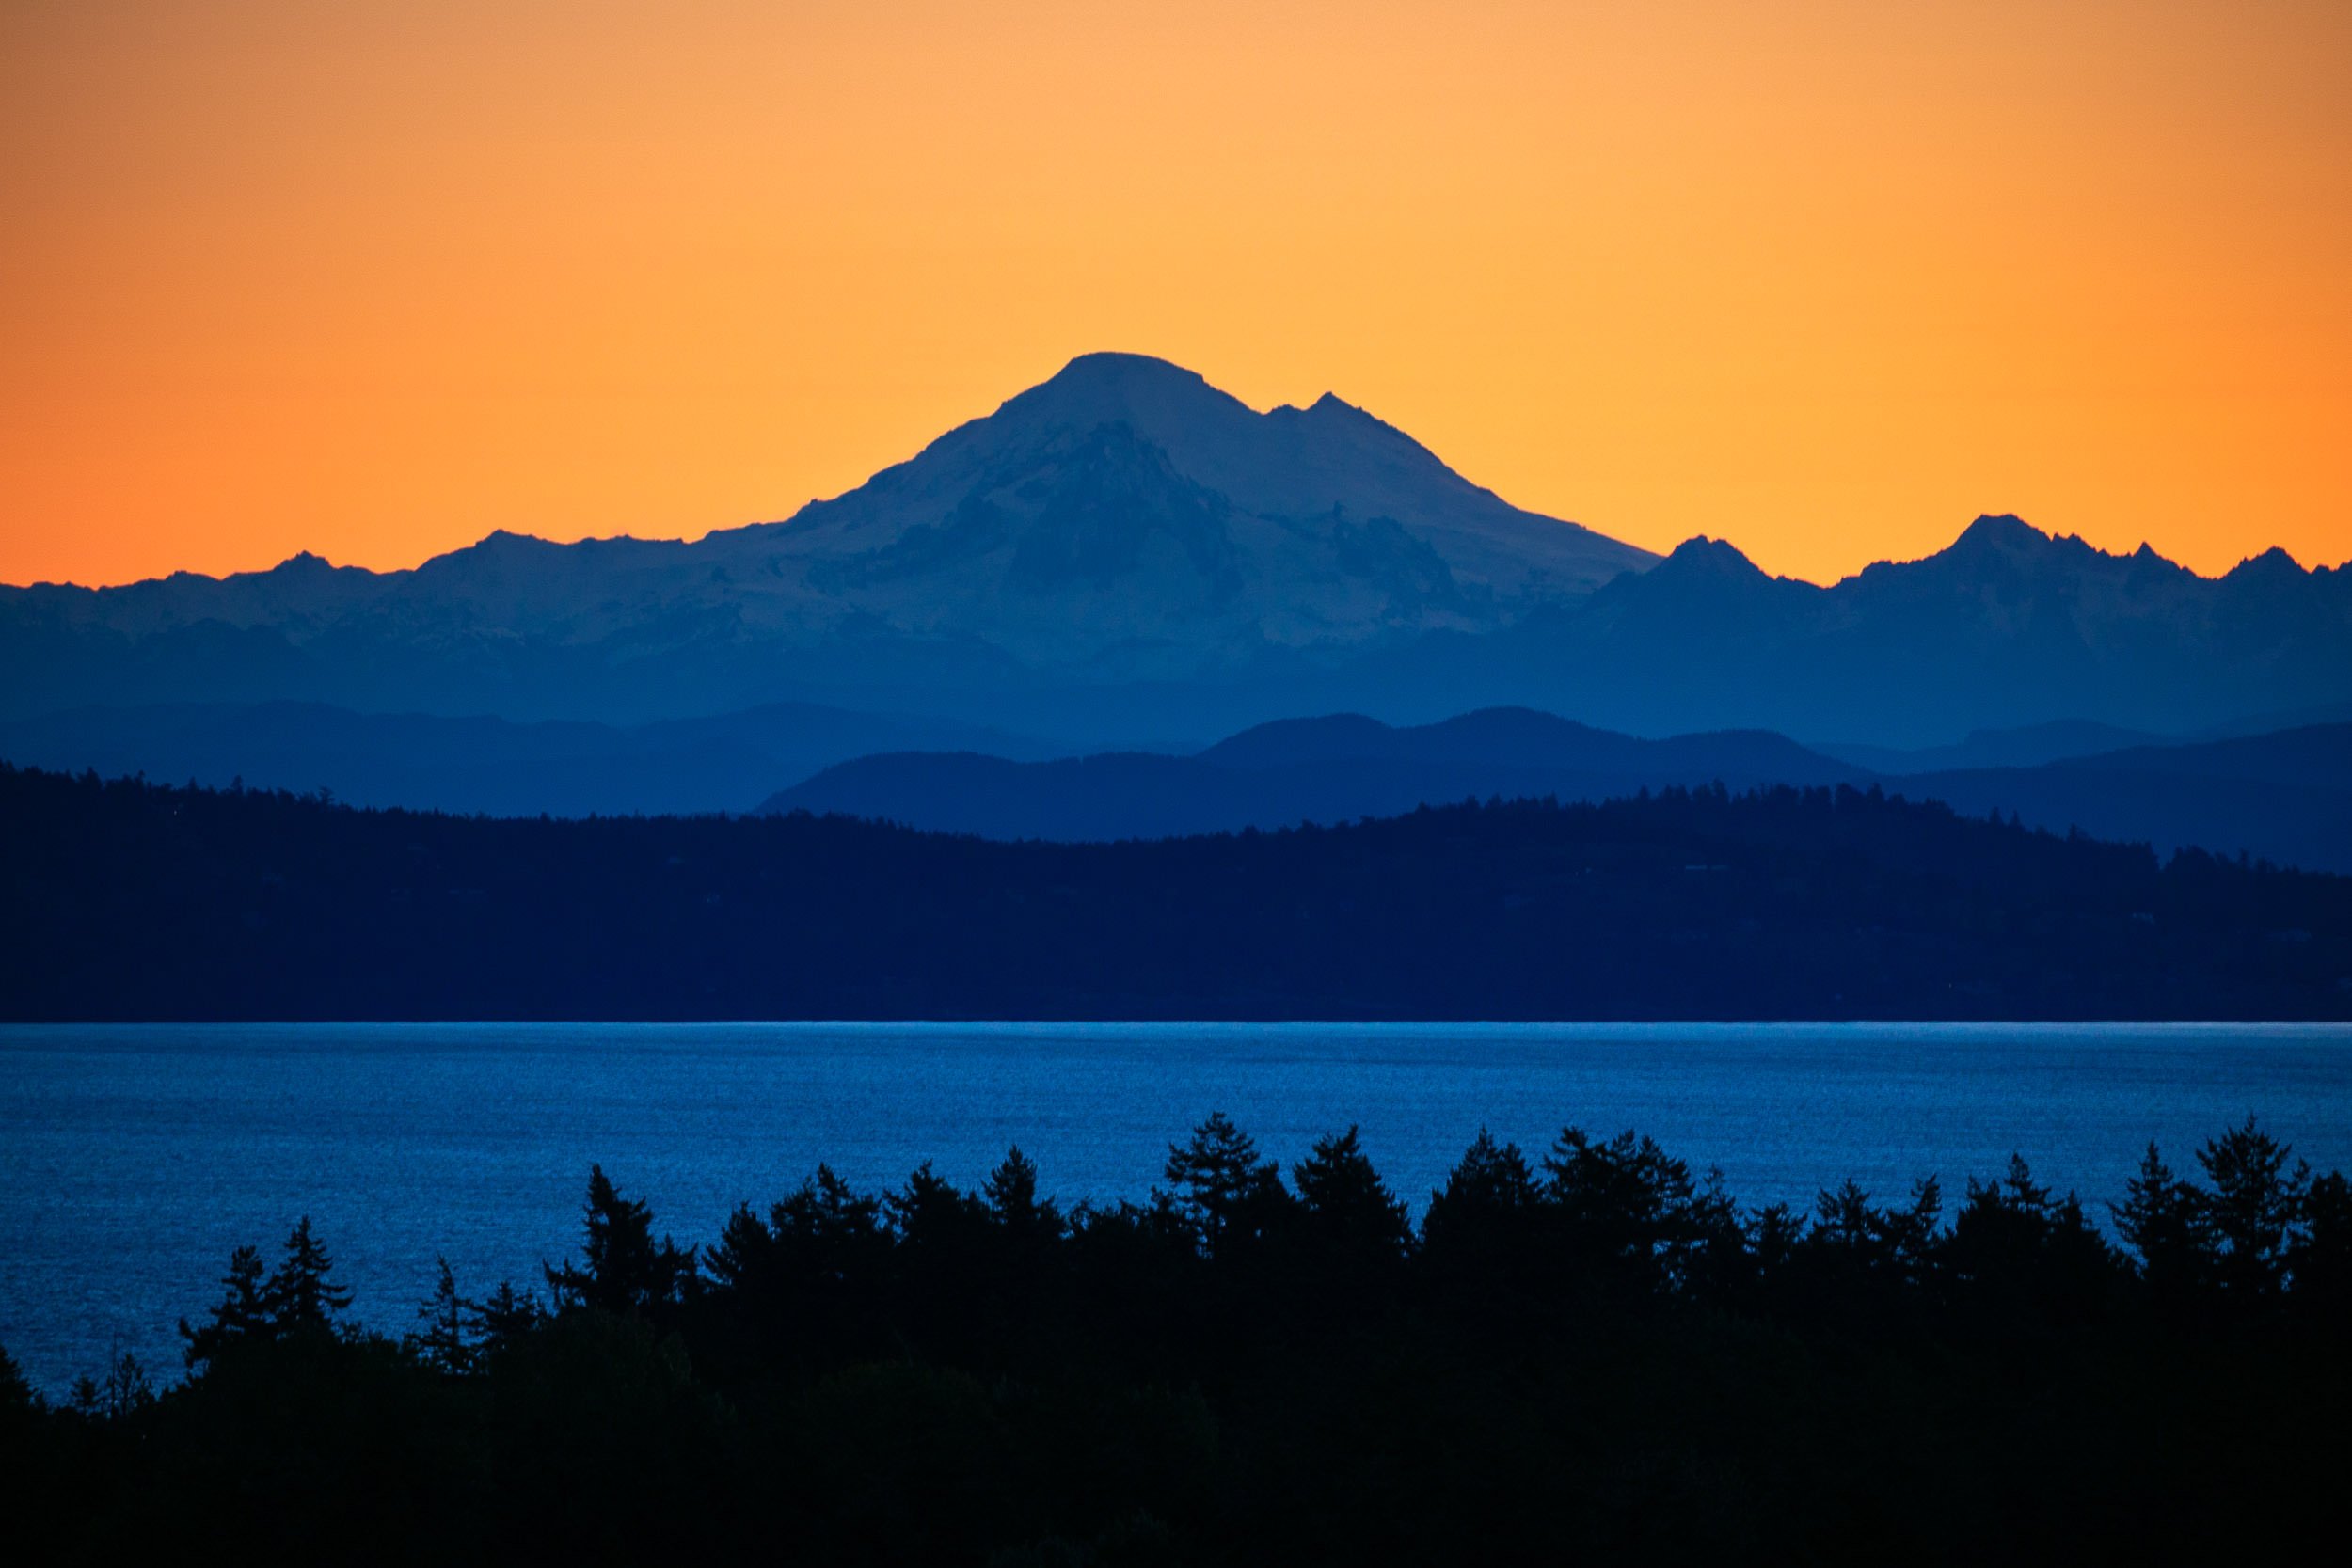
1593 1352
129 900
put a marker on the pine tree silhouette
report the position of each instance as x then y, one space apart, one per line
1009 1196
15 1393
243 1314
2163 1219
624 1269
445 1340
1347 1205
2253 1213
1214 1175
504 1317
300 1294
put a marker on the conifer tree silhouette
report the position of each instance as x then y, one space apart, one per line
2320 1264
125 1391
1487 1194
1347 1205
1009 1196
625 1270
2255 1210
504 1317
1211 1175
15 1390
300 1293
444 1339
245 1311
2163 1219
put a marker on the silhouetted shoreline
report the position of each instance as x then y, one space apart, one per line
1592 1350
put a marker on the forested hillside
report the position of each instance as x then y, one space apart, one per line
128 900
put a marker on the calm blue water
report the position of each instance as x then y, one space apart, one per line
132 1159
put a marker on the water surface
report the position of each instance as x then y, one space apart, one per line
134 1158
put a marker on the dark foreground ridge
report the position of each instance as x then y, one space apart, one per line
128 901
1593 1357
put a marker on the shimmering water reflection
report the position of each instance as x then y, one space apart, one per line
132 1159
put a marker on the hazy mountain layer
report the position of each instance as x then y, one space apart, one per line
1322 771
2027 746
479 764
2286 797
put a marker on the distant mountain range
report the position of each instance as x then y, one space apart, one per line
2031 745
1125 556
2006 628
498 766
2285 796
2026 746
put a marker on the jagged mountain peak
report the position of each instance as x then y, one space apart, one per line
1105 387
1289 528
1120 367
2001 544
1217 439
1109 386
1703 556
2001 530
2273 564
2004 535
1343 420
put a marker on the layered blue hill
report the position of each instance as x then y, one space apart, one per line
2286 797
1321 771
479 764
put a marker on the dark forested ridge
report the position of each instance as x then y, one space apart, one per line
1589 1354
127 900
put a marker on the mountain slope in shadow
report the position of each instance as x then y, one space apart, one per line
2317 756
1328 770
2286 797
2025 746
480 764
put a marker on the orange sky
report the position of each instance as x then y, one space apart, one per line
1825 279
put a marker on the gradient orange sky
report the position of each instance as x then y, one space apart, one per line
1824 279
